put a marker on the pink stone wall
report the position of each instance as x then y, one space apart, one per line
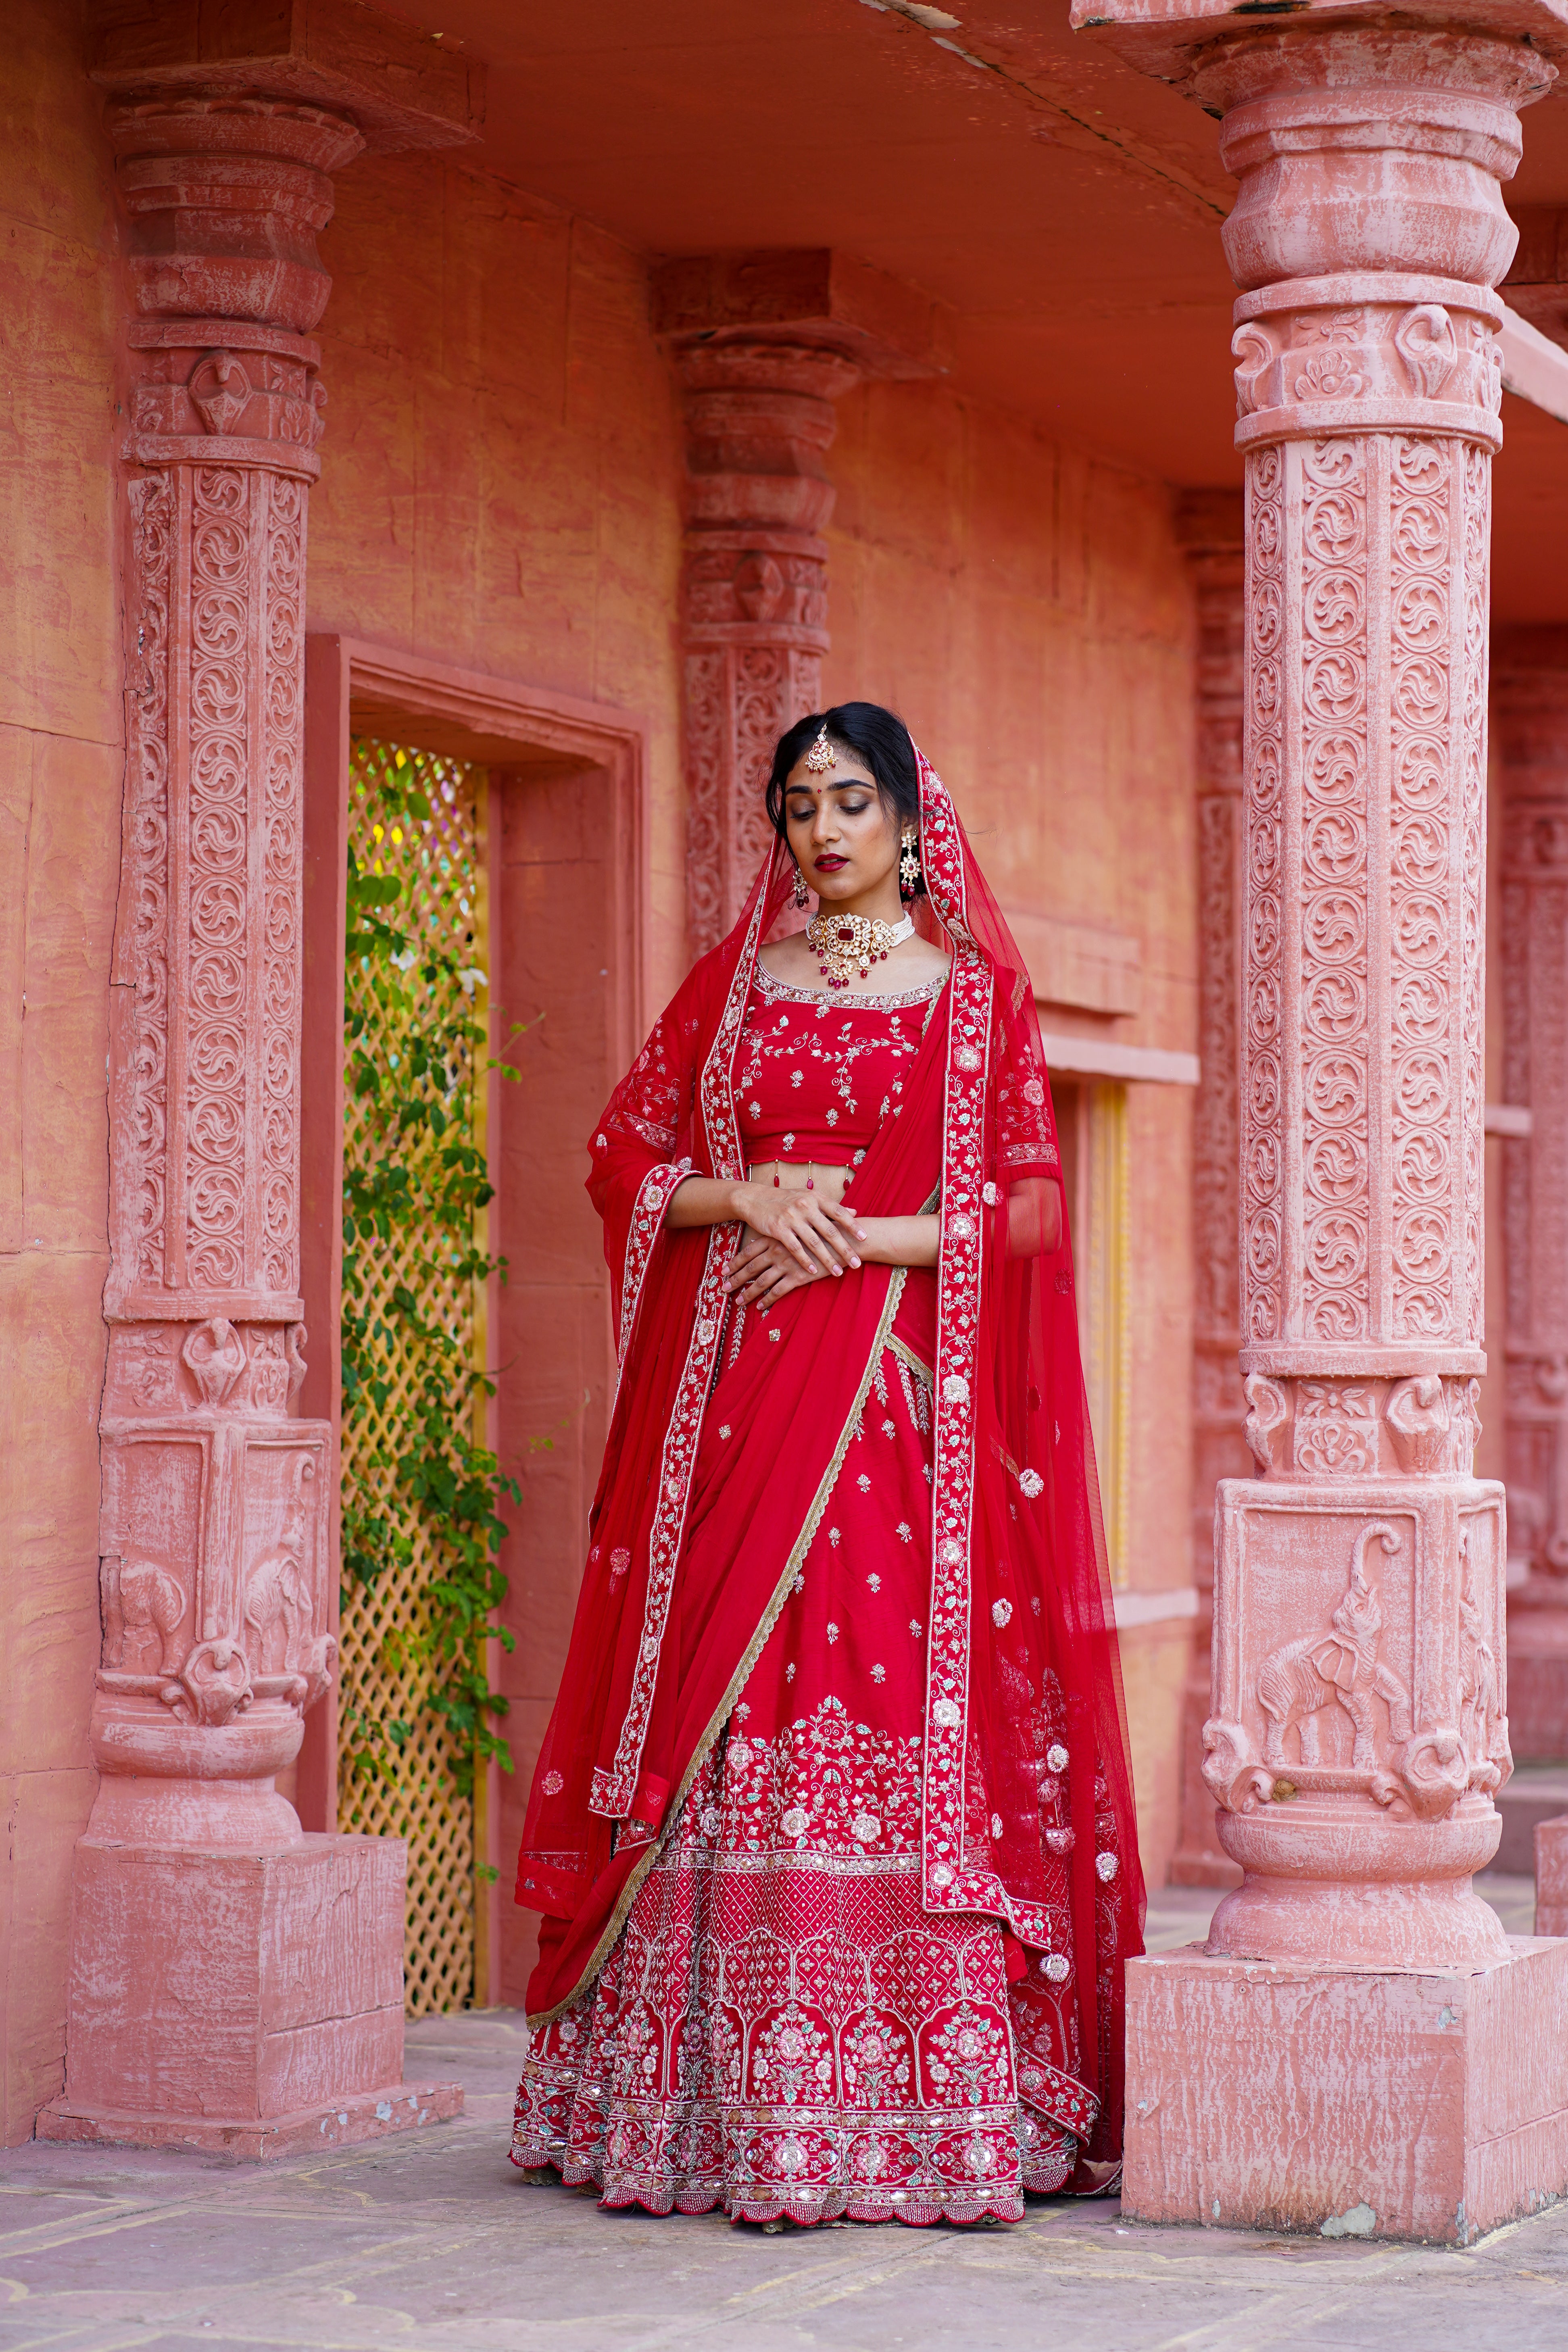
61 767
501 465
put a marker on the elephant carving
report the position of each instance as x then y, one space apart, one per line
1340 1667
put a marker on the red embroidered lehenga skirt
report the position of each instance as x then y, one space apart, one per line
781 2029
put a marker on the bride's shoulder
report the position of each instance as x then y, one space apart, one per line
923 960
790 960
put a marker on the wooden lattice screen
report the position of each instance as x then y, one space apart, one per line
442 868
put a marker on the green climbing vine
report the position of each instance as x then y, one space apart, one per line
414 1181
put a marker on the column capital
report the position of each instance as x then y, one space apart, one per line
812 297
1370 226
398 86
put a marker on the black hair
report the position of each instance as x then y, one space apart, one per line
877 738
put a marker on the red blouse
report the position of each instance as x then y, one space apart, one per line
816 1075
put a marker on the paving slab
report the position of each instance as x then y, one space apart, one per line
431 2242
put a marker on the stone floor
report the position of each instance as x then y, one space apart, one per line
429 2241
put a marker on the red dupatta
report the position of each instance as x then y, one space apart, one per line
693 1546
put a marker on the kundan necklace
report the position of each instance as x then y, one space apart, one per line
846 946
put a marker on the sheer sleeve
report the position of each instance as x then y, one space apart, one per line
1026 1126
640 1152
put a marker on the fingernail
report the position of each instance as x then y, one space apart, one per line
854 1261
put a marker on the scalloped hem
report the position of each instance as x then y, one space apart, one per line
915 2212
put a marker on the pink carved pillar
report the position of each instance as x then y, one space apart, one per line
233 1983
1210 528
759 423
1354 1981
1529 707
763 345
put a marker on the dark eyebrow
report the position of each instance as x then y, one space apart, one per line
848 784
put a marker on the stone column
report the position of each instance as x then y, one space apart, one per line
753 593
233 1983
1209 525
764 345
1530 706
1354 1981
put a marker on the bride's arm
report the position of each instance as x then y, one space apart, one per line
807 1231
762 1270
900 1241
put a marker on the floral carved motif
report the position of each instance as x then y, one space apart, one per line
1334 911
1420 847
1381 355
1263 1078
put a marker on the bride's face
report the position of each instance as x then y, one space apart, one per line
844 836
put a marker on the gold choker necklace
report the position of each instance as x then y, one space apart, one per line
846 946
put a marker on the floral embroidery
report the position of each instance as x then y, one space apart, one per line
733 2053
805 1084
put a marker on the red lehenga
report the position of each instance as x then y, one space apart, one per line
832 1829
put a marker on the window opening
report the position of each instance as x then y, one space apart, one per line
420 1487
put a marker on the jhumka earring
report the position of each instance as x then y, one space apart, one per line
800 891
819 758
910 866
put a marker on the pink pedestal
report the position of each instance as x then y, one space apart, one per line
1552 1878
247 2000
1421 2102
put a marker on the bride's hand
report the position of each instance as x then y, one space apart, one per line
764 1272
808 1234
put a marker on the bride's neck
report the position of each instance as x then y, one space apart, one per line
875 906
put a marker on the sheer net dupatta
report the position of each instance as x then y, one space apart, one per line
1028 1788
665 1288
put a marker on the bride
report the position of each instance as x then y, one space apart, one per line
832 1829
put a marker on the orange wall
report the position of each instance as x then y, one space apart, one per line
61 770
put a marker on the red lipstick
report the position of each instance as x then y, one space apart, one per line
830 863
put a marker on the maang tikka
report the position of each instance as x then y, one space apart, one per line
819 758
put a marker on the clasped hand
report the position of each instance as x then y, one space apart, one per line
790 1238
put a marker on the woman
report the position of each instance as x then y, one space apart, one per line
832 1829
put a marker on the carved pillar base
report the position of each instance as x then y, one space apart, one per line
243 2003
1428 2104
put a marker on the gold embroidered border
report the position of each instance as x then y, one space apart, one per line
752 1652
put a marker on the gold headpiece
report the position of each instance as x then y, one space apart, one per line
819 758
